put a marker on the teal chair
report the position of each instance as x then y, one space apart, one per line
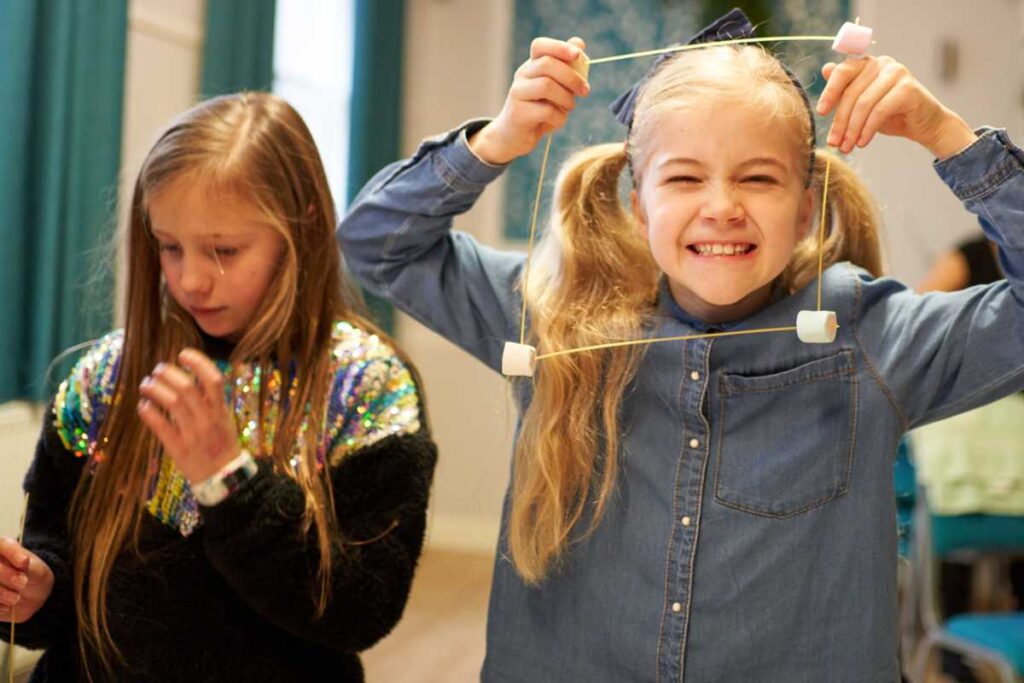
905 485
997 638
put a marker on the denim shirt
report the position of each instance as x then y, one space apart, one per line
752 536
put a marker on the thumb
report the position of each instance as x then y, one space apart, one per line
578 42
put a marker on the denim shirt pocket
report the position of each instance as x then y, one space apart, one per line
786 440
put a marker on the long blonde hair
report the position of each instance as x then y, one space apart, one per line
256 148
594 280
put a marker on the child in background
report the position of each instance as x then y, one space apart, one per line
234 486
712 509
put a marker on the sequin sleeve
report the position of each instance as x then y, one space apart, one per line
373 396
380 460
84 397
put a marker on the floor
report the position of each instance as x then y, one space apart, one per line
440 638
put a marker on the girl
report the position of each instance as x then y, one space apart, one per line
234 486
715 509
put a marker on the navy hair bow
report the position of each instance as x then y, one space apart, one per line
731 26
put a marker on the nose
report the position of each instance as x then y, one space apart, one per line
722 205
195 276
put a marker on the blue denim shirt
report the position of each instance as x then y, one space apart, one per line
752 536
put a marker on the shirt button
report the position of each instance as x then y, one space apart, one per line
694 443
677 607
685 521
695 375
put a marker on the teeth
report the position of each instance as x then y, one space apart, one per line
722 249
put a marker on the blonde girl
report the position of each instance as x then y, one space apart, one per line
717 508
233 487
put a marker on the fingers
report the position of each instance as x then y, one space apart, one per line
548 118
839 77
561 73
566 51
868 95
14 562
852 107
211 379
176 392
161 426
12 580
871 110
13 554
544 89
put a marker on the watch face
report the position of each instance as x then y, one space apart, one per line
211 492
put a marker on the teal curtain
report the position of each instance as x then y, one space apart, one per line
375 129
61 85
238 52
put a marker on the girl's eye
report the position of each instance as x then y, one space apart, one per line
169 248
760 179
226 251
684 179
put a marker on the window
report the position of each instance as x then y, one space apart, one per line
313 70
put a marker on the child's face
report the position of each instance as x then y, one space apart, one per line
217 255
722 203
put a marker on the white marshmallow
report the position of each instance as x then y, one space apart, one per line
582 66
518 360
816 327
852 39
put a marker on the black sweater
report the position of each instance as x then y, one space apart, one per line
232 601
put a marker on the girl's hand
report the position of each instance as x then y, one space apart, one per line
879 95
189 415
543 93
25 582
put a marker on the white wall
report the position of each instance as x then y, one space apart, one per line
162 67
456 68
922 217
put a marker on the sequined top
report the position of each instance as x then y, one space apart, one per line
372 396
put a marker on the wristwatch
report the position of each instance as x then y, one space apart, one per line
211 491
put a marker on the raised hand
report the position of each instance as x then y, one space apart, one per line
189 415
879 95
543 93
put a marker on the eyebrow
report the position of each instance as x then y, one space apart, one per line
212 235
755 161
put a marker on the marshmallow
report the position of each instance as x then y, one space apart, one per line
518 360
852 39
582 66
816 327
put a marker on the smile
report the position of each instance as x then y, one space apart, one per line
720 249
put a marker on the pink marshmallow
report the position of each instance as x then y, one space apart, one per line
852 39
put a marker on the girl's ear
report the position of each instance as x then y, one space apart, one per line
638 213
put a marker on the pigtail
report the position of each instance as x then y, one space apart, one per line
851 224
593 281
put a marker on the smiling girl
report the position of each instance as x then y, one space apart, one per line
708 509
